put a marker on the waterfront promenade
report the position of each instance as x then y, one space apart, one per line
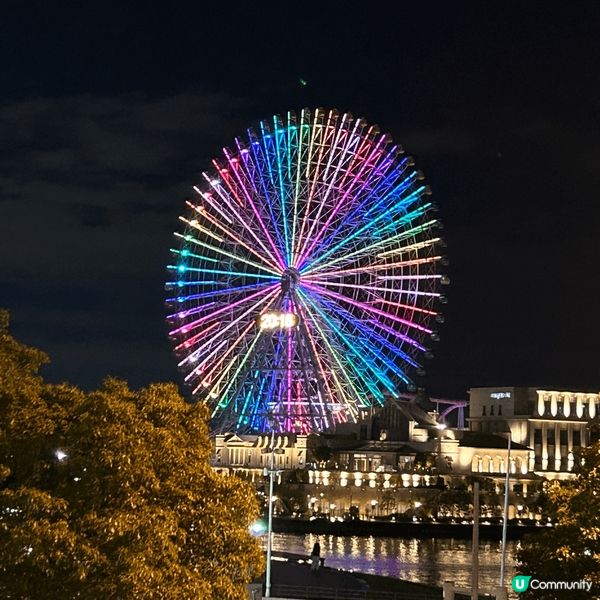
293 579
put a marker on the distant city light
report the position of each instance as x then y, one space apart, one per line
60 454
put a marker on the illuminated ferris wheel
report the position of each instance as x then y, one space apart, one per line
305 278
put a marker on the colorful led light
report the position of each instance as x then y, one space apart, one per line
317 217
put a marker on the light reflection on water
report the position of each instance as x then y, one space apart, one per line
431 561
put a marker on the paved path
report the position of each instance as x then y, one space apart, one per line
293 573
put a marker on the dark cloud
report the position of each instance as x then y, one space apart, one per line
90 192
109 114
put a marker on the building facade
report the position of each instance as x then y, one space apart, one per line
249 455
556 425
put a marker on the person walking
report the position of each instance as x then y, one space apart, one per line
315 557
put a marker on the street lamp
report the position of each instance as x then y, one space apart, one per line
60 454
271 472
441 427
505 516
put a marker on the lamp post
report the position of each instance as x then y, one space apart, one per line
441 427
271 472
270 522
505 515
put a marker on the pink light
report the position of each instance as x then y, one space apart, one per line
289 386
227 308
234 237
366 307
240 219
216 365
376 152
279 259
190 341
376 267
353 137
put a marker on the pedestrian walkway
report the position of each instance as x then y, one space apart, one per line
292 580
294 574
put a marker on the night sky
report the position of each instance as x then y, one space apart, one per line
108 115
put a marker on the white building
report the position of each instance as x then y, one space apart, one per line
250 454
554 424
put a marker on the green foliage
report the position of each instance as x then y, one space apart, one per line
110 494
571 550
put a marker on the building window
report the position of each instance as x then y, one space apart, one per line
563 437
537 436
500 410
551 436
483 411
492 410
577 438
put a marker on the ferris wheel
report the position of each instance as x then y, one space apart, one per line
305 279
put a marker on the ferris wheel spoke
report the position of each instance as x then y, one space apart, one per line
348 341
199 367
349 378
319 355
391 291
225 309
215 367
368 333
374 155
310 177
201 370
374 267
223 252
260 178
368 308
350 329
338 134
374 228
275 268
185 269
364 145
217 293
359 209
344 157
280 155
323 134
301 135
189 342
337 154
195 356
377 246
357 361
246 223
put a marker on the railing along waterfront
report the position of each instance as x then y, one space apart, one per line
326 593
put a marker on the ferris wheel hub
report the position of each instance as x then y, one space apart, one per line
289 279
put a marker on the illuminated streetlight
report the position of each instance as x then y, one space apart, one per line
258 527
505 512
60 454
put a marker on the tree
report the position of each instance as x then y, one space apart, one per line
571 550
110 494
